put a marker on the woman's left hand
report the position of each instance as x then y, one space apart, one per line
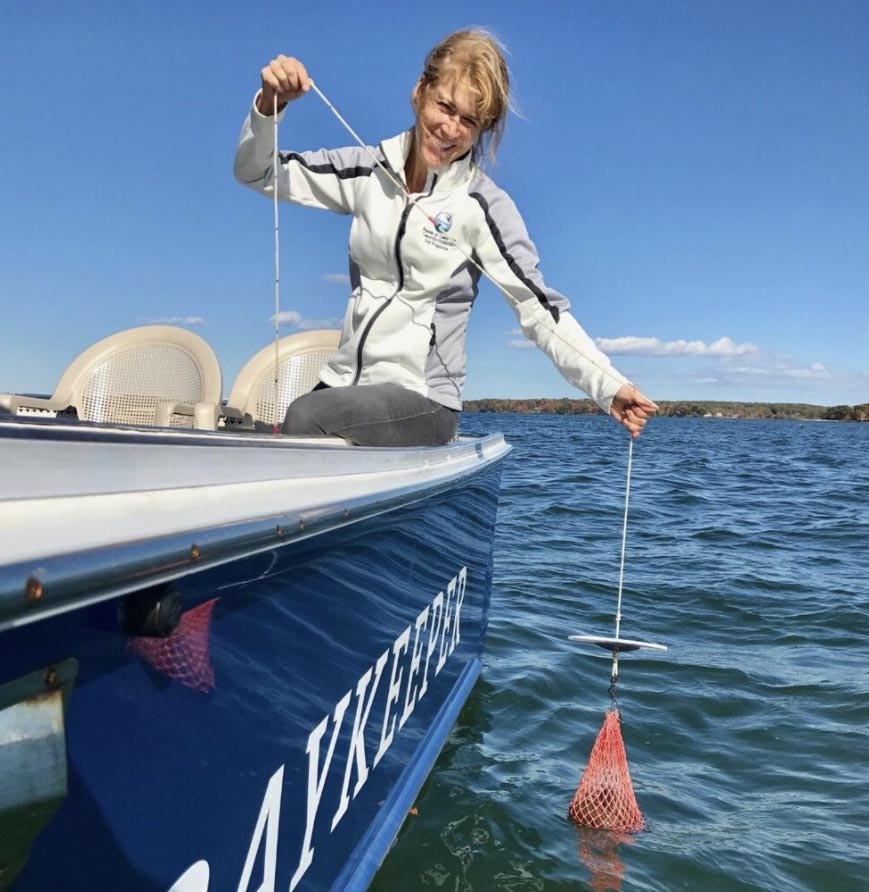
631 409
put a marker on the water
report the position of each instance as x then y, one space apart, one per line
748 741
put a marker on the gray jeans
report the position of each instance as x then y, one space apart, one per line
371 415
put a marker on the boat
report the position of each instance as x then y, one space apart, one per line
228 659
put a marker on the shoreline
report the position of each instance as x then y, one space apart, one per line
680 409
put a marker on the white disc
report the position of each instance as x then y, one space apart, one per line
616 644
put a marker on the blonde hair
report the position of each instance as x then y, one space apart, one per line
476 57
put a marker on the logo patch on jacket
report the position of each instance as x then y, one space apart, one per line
443 222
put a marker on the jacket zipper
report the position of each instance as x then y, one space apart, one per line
399 235
402 225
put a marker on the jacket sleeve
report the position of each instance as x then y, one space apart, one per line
506 252
330 179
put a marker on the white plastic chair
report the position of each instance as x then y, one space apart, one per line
123 378
300 357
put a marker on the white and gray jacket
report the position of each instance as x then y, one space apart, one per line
412 290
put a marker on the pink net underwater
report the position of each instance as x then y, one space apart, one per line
184 655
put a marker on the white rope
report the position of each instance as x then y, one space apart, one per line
359 140
401 186
615 672
275 160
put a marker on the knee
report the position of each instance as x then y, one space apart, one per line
301 419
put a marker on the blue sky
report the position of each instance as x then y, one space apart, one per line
694 174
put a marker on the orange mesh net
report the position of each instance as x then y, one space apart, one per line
183 656
599 854
604 799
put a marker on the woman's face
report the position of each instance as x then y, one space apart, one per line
447 123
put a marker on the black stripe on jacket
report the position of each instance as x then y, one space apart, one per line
343 173
511 260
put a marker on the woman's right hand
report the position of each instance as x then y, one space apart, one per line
284 77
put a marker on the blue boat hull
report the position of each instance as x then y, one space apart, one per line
279 737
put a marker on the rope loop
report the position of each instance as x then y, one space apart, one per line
611 690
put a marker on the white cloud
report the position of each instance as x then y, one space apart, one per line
782 369
337 278
518 341
815 370
638 346
295 318
748 370
309 324
286 317
176 320
760 371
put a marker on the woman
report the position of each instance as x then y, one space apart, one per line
398 375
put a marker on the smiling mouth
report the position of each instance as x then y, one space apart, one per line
441 146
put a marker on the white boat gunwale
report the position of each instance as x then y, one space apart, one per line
54 580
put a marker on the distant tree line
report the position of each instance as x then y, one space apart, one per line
680 409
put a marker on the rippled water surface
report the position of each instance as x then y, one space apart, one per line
748 553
